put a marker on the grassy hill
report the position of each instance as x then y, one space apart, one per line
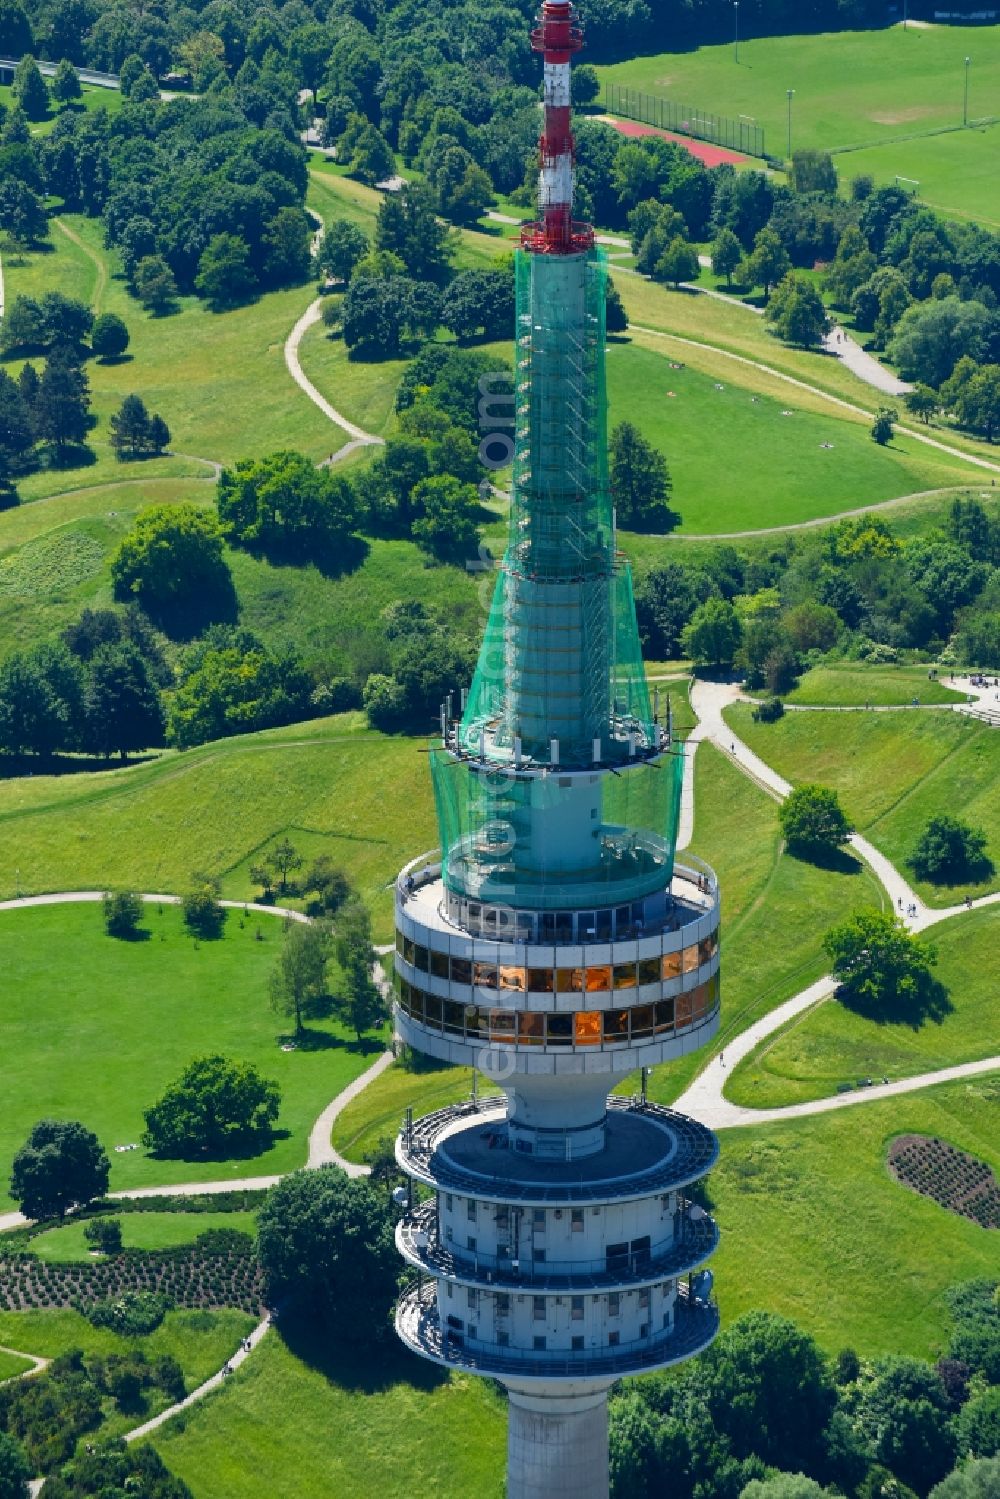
893 771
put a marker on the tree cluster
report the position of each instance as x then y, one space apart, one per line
96 693
853 588
426 662
286 507
136 432
763 1415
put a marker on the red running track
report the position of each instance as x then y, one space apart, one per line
712 156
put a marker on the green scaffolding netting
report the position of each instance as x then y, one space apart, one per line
547 841
560 660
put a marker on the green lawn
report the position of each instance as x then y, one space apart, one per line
832 1044
92 98
200 1340
125 1018
852 684
362 797
795 463
364 390
11 1366
814 1228
893 772
302 1415
377 1112
955 170
140 1231
219 379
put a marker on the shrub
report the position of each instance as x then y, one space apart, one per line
104 1234
813 820
132 1314
122 914
949 851
204 914
769 711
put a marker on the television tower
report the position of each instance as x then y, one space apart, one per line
553 942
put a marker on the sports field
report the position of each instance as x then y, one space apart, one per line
853 89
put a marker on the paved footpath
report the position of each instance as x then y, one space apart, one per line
358 437
704 1098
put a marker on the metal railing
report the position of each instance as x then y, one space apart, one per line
418 1324
418 1242
695 1152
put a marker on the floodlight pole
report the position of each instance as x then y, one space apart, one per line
905 2
736 21
791 94
965 106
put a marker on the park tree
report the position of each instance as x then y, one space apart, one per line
66 84
678 262
615 316
328 884
797 313
62 407
29 89
712 635
15 1472
225 277
122 914
359 1000
884 425
41 701
586 85
978 1426
950 851
122 706
171 557
217 1107
22 214
61 1165
903 1414
813 821
922 402
204 913
976 1480
327 1244
298 980
129 428
235 688
23 326
285 859
15 35
16 434
931 337
287 245
851 267
408 226
109 337
640 482
786 1486
726 252
813 172
154 284
878 964
283 504
448 518
767 263
480 304
343 244
975 398
811 626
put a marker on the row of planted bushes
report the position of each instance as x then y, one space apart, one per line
219 1270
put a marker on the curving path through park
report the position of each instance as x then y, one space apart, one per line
358 437
704 1098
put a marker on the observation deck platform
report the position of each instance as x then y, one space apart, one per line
417 1242
647 1150
418 1324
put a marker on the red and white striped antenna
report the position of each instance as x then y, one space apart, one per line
557 37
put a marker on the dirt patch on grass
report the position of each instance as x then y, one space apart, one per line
902 116
950 1177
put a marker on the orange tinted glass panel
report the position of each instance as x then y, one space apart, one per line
587 1028
670 968
598 978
